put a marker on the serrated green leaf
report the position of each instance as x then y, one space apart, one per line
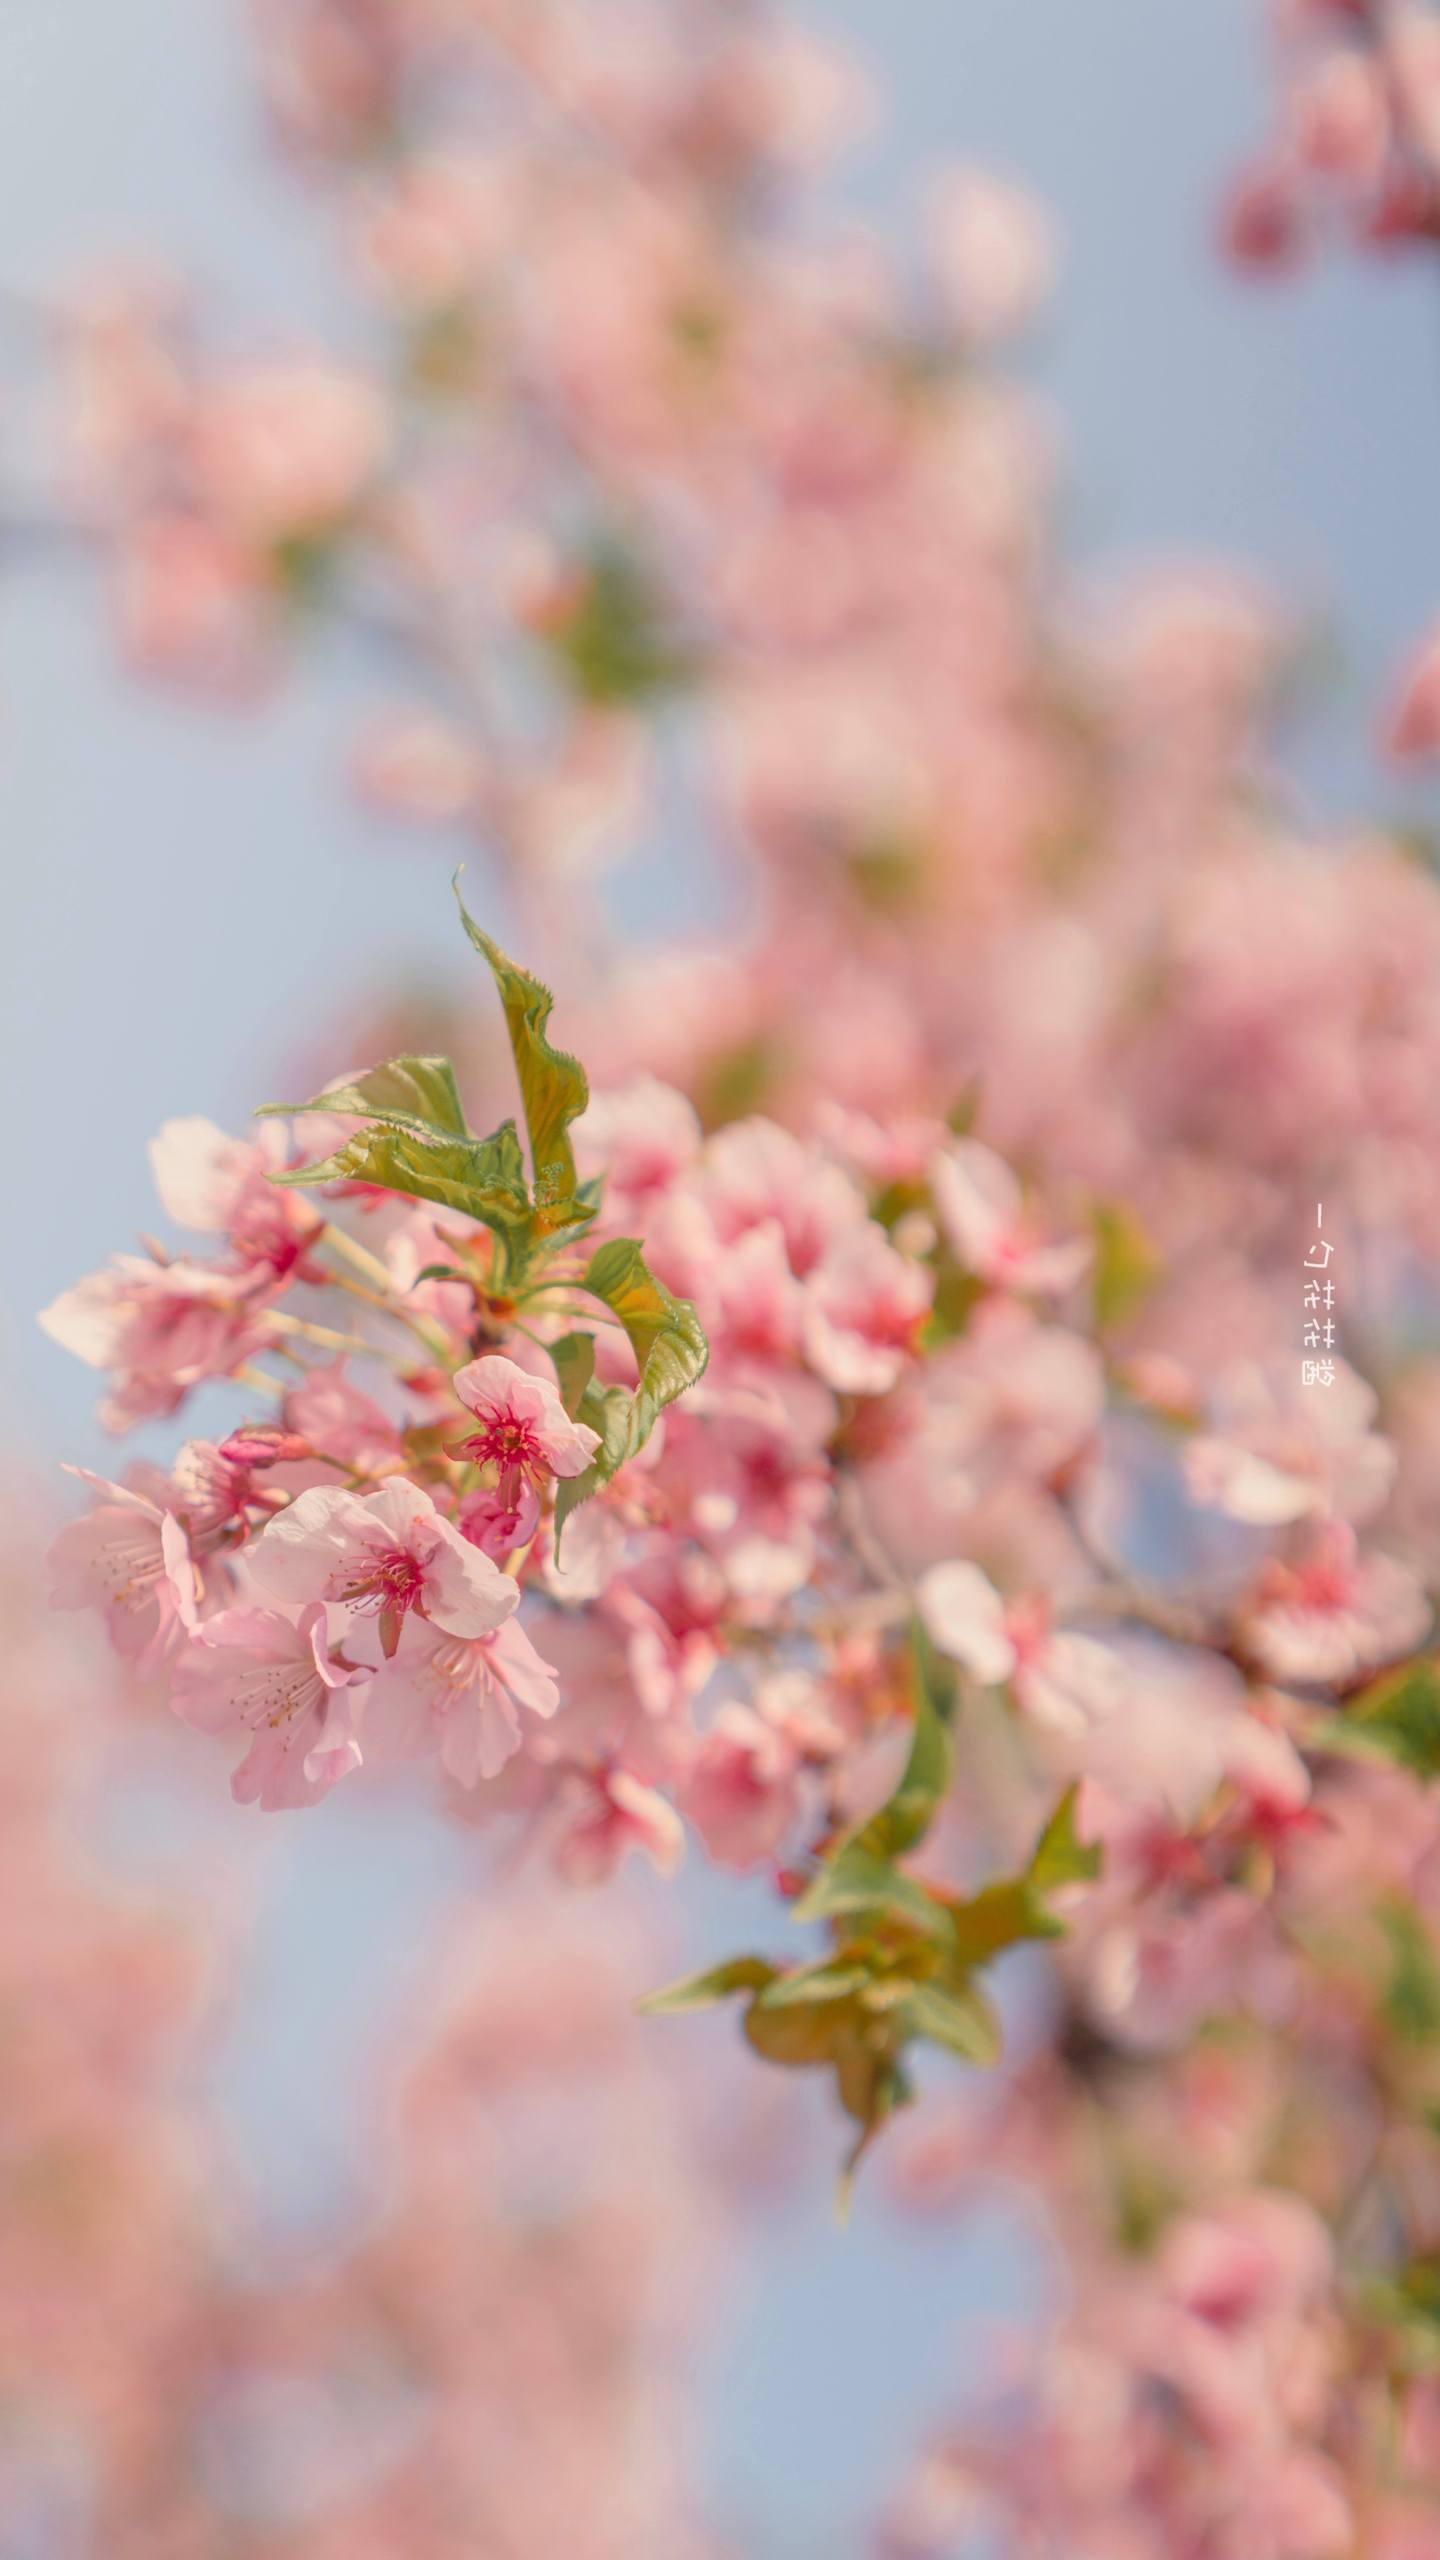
553 1086
664 1333
417 1093
482 1178
702 1990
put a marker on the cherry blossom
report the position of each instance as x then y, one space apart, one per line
275 1679
380 1555
130 1559
524 1431
464 1694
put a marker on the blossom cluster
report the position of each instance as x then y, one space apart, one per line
517 2256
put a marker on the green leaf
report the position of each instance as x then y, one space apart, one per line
1060 1855
823 1981
553 1088
1399 1718
664 1333
902 1822
702 1990
1412 1991
613 643
483 1178
854 1880
606 1410
1016 1909
415 1092
860 1875
961 2019
574 1358
1127 1265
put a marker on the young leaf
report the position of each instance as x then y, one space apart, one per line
1016 1909
553 1087
960 2018
1060 1855
1398 1718
606 1410
574 1358
854 1880
482 1178
813 1982
860 1874
702 1990
664 1332
413 1092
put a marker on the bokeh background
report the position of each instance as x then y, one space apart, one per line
186 887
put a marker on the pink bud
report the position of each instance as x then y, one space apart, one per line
263 1444
1262 224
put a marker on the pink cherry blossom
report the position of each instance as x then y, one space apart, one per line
613 1815
1062 1682
993 251
221 1186
285 448
498 1523
381 1555
980 1206
641 1136
464 1694
130 1559
160 1327
740 1792
331 1412
1335 1612
864 1304
525 1430
1278 1452
276 1680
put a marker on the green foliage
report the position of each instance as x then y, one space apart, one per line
702 1990
553 1087
670 1350
1127 1266
1398 1718
1411 1995
613 644
416 1142
409 1092
1017 1909
904 1956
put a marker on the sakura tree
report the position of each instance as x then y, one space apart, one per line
943 1413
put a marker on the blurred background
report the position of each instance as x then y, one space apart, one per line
186 886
